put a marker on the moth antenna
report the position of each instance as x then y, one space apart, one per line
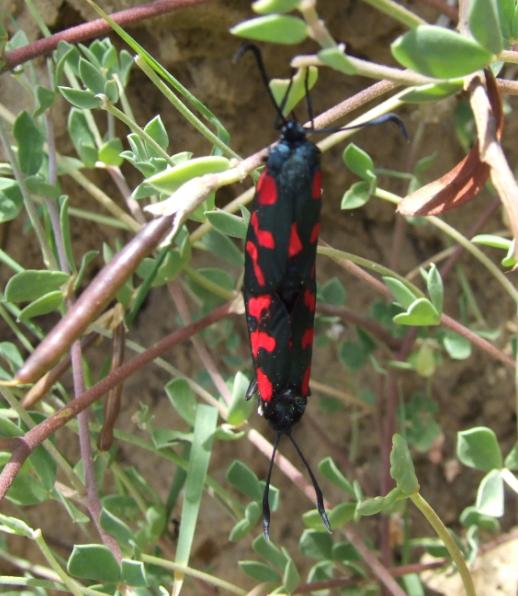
390 117
266 492
250 47
318 492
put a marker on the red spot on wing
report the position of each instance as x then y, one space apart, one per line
261 339
266 189
307 338
310 300
316 185
315 233
251 249
295 245
304 389
264 238
264 385
257 304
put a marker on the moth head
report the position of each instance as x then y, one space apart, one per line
284 410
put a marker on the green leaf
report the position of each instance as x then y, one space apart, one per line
342 514
45 98
457 346
31 284
156 130
376 505
93 561
91 76
219 245
478 448
439 52
240 408
431 92
227 223
402 467
134 573
116 527
511 459
80 98
291 576
273 28
420 313
332 292
303 78
329 469
401 292
336 58
471 517
82 137
182 399
492 240
357 196
435 287
317 545
245 480
110 152
172 178
275 6
424 360
490 495
199 457
484 24
11 200
240 530
30 143
43 305
111 90
359 162
38 185
13 525
259 571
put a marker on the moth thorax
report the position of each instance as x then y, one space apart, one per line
293 132
284 410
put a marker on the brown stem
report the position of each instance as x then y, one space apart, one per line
93 29
46 428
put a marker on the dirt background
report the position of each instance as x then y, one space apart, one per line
196 45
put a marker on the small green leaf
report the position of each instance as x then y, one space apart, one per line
156 130
13 525
317 545
116 527
82 137
11 200
93 561
268 551
218 244
420 313
332 292
45 98
80 98
259 571
30 143
430 92
492 240
274 6
337 59
43 305
357 196
31 284
134 573
438 52
435 287
359 162
424 361
457 346
341 515
240 409
110 152
91 76
329 469
171 179
484 24
227 223
111 90
401 292
478 448
303 78
490 495
291 576
273 28
511 459
471 517
376 505
402 467
38 185
245 480
240 530
182 399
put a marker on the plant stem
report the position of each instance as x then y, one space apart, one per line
435 521
397 12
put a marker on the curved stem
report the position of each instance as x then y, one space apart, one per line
442 531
